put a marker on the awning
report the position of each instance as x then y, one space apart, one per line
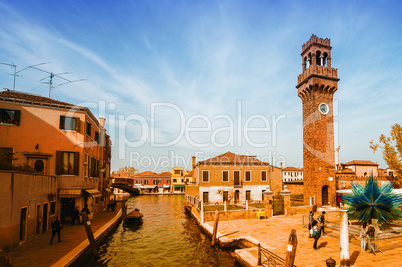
149 186
166 186
108 190
93 192
179 185
69 193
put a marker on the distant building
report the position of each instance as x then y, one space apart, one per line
235 178
292 174
146 182
55 139
178 179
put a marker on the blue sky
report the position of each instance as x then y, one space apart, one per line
158 69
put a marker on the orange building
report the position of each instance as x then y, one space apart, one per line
235 178
59 139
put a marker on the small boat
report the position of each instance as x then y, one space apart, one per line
134 215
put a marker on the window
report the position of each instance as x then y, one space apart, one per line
96 137
168 181
187 180
176 171
248 176
263 176
174 180
159 181
93 167
88 128
182 180
69 123
248 193
53 208
10 116
205 176
155 181
205 197
6 158
225 176
39 165
225 196
145 182
67 162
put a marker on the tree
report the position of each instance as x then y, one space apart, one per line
391 149
126 169
374 202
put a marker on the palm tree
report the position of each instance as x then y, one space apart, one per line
374 202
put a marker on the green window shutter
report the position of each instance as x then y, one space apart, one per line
17 117
76 163
77 124
59 162
62 118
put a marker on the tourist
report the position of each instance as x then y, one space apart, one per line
321 219
86 210
363 237
370 237
56 227
310 222
316 234
75 216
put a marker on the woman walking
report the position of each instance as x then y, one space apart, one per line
363 237
316 234
310 222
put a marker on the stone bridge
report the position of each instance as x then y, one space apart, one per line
127 187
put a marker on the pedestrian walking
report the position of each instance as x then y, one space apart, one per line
316 234
75 216
370 237
363 237
310 222
56 227
321 219
85 209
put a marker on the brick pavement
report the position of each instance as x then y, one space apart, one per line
37 251
273 234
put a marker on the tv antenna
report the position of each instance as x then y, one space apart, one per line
53 75
15 74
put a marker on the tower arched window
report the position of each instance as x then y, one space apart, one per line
325 57
318 58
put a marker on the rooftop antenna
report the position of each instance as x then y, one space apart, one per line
16 72
58 75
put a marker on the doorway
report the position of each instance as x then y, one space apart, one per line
236 196
205 196
325 195
67 208
44 220
23 224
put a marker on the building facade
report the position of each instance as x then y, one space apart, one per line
316 86
178 179
292 174
60 139
235 178
147 182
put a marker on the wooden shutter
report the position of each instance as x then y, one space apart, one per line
59 162
62 119
77 124
76 163
17 115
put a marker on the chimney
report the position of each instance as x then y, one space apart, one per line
102 122
193 162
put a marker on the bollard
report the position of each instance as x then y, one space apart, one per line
213 243
90 234
344 238
291 249
224 206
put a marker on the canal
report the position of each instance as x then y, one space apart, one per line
166 236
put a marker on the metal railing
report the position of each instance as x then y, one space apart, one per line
267 258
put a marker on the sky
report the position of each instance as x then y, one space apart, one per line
176 79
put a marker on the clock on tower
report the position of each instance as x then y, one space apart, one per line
316 86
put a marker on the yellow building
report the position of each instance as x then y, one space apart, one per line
178 179
235 178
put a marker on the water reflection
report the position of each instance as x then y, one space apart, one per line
166 236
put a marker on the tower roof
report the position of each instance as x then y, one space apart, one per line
316 40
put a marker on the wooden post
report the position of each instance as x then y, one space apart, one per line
259 254
291 249
124 208
90 234
215 228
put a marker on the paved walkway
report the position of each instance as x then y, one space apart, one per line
273 234
38 252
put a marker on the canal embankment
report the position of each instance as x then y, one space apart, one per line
38 252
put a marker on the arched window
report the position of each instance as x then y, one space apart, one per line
318 58
325 59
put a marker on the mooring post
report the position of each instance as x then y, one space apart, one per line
90 234
291 249
259 254
213 243
124 208
344 238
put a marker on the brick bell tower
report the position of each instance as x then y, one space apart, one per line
316 87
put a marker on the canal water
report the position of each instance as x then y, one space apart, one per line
166 236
